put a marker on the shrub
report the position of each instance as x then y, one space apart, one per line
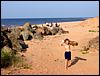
6 56
9 58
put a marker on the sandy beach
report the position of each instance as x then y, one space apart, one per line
46 57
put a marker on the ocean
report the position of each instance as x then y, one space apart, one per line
22 21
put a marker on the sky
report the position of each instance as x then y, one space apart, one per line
49 9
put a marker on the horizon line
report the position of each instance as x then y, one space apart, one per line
45 17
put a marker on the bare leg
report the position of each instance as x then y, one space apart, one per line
69 62
66 64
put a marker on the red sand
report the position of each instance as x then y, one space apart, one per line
47 56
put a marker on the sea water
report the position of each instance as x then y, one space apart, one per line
22 21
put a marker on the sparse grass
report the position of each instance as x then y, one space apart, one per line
6 57
9 58
84 50
23 65
93 31
18 63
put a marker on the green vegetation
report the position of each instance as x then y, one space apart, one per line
23 65
11 44
7 56
93 31
84 50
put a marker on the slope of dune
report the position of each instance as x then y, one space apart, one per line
91 22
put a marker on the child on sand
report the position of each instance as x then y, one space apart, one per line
66 44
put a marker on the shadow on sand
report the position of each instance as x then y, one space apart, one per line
75 60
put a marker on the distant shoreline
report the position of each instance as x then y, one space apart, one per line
46 17
20 22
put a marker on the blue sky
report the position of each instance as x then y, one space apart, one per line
49 9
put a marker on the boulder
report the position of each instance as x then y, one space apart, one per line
15 45
27 26
39 30
16 31
61 31
47 31
54 30
38 36
26 35
4 39
94 43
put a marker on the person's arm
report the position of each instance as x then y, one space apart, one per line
69 47
62 42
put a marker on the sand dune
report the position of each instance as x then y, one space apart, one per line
91 22
47 56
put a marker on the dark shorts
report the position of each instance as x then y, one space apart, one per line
68 55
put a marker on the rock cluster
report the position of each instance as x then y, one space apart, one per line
13 38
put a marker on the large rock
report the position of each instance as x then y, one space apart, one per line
94 43
4 39
27 26
54 30
38 36
24 46
28 31
47 31
14 42
39 30
16 31
61 31
27 35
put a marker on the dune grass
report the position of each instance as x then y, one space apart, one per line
93 31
